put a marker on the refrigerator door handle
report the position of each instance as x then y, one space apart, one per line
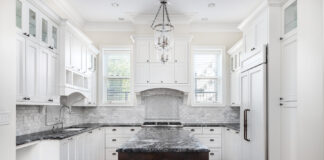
245 125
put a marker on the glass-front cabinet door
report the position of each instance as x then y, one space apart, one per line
19 18
290 17
44 30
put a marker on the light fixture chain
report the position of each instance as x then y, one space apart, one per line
152 26
167 14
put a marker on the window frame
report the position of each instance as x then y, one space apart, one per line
102 77
223 77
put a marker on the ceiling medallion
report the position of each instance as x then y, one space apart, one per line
163 32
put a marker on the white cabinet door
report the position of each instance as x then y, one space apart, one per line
181 73
42 72
64 150
142 51
20 53
235 89
80 144
52 85
76 52
261 33
32 51
288 131
181 52
161 73
67 52
32 22
84 66
254 107
289 69
250 39
142 73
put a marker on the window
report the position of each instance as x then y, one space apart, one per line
117 73
208 76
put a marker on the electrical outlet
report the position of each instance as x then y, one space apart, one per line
4 118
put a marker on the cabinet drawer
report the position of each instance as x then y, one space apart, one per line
211 141
212 130
111 154
215 154
194 130
122 130
115 142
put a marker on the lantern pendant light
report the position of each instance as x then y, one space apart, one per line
163 32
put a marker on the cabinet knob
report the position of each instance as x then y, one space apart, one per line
114 140
211 154
147 81
26 98
147 61
26 34
281 38
192 130
50 100
281 98
114 130
114 154
281 104
252 49
212 130
132 130
161 81
212 140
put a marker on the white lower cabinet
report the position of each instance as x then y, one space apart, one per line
117 136
210 137
87 146
231 143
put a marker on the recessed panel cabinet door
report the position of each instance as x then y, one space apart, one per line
181 52
289 69
142 51
181 73
76 51
20 53
31 69
42 69
142 71
161 73
52 79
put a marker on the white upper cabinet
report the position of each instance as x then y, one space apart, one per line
289 17
235 54
76 54
32 51
151 72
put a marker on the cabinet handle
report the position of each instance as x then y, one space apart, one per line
212 130
281 38
114 154
26 98
192 130
50 100
227 129
252 49
212 154
281 98
246 125
281 104
132 130
212 140
114 130
26 34
147 61
147 81
114 140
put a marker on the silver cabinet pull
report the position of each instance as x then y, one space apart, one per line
114 140
114 130
212 140
246 125
114 154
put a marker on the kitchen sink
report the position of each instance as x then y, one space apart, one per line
73 129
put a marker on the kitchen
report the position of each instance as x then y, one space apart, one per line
162 79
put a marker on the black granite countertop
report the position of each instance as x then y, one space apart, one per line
45 135
163 139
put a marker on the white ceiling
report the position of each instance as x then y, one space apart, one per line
225 11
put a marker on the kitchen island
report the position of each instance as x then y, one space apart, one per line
163 143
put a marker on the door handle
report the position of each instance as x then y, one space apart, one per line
245 125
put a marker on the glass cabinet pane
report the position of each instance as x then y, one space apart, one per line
19 14
44 31
32 23
54 36
290 19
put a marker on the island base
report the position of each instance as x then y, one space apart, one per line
163 156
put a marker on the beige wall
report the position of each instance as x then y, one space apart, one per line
8 78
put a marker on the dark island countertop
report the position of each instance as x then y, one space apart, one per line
163 139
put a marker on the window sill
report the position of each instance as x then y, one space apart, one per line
116 105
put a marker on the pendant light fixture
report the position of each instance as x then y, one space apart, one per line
163 32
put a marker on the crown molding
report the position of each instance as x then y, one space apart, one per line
214 27
253 15
65 11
